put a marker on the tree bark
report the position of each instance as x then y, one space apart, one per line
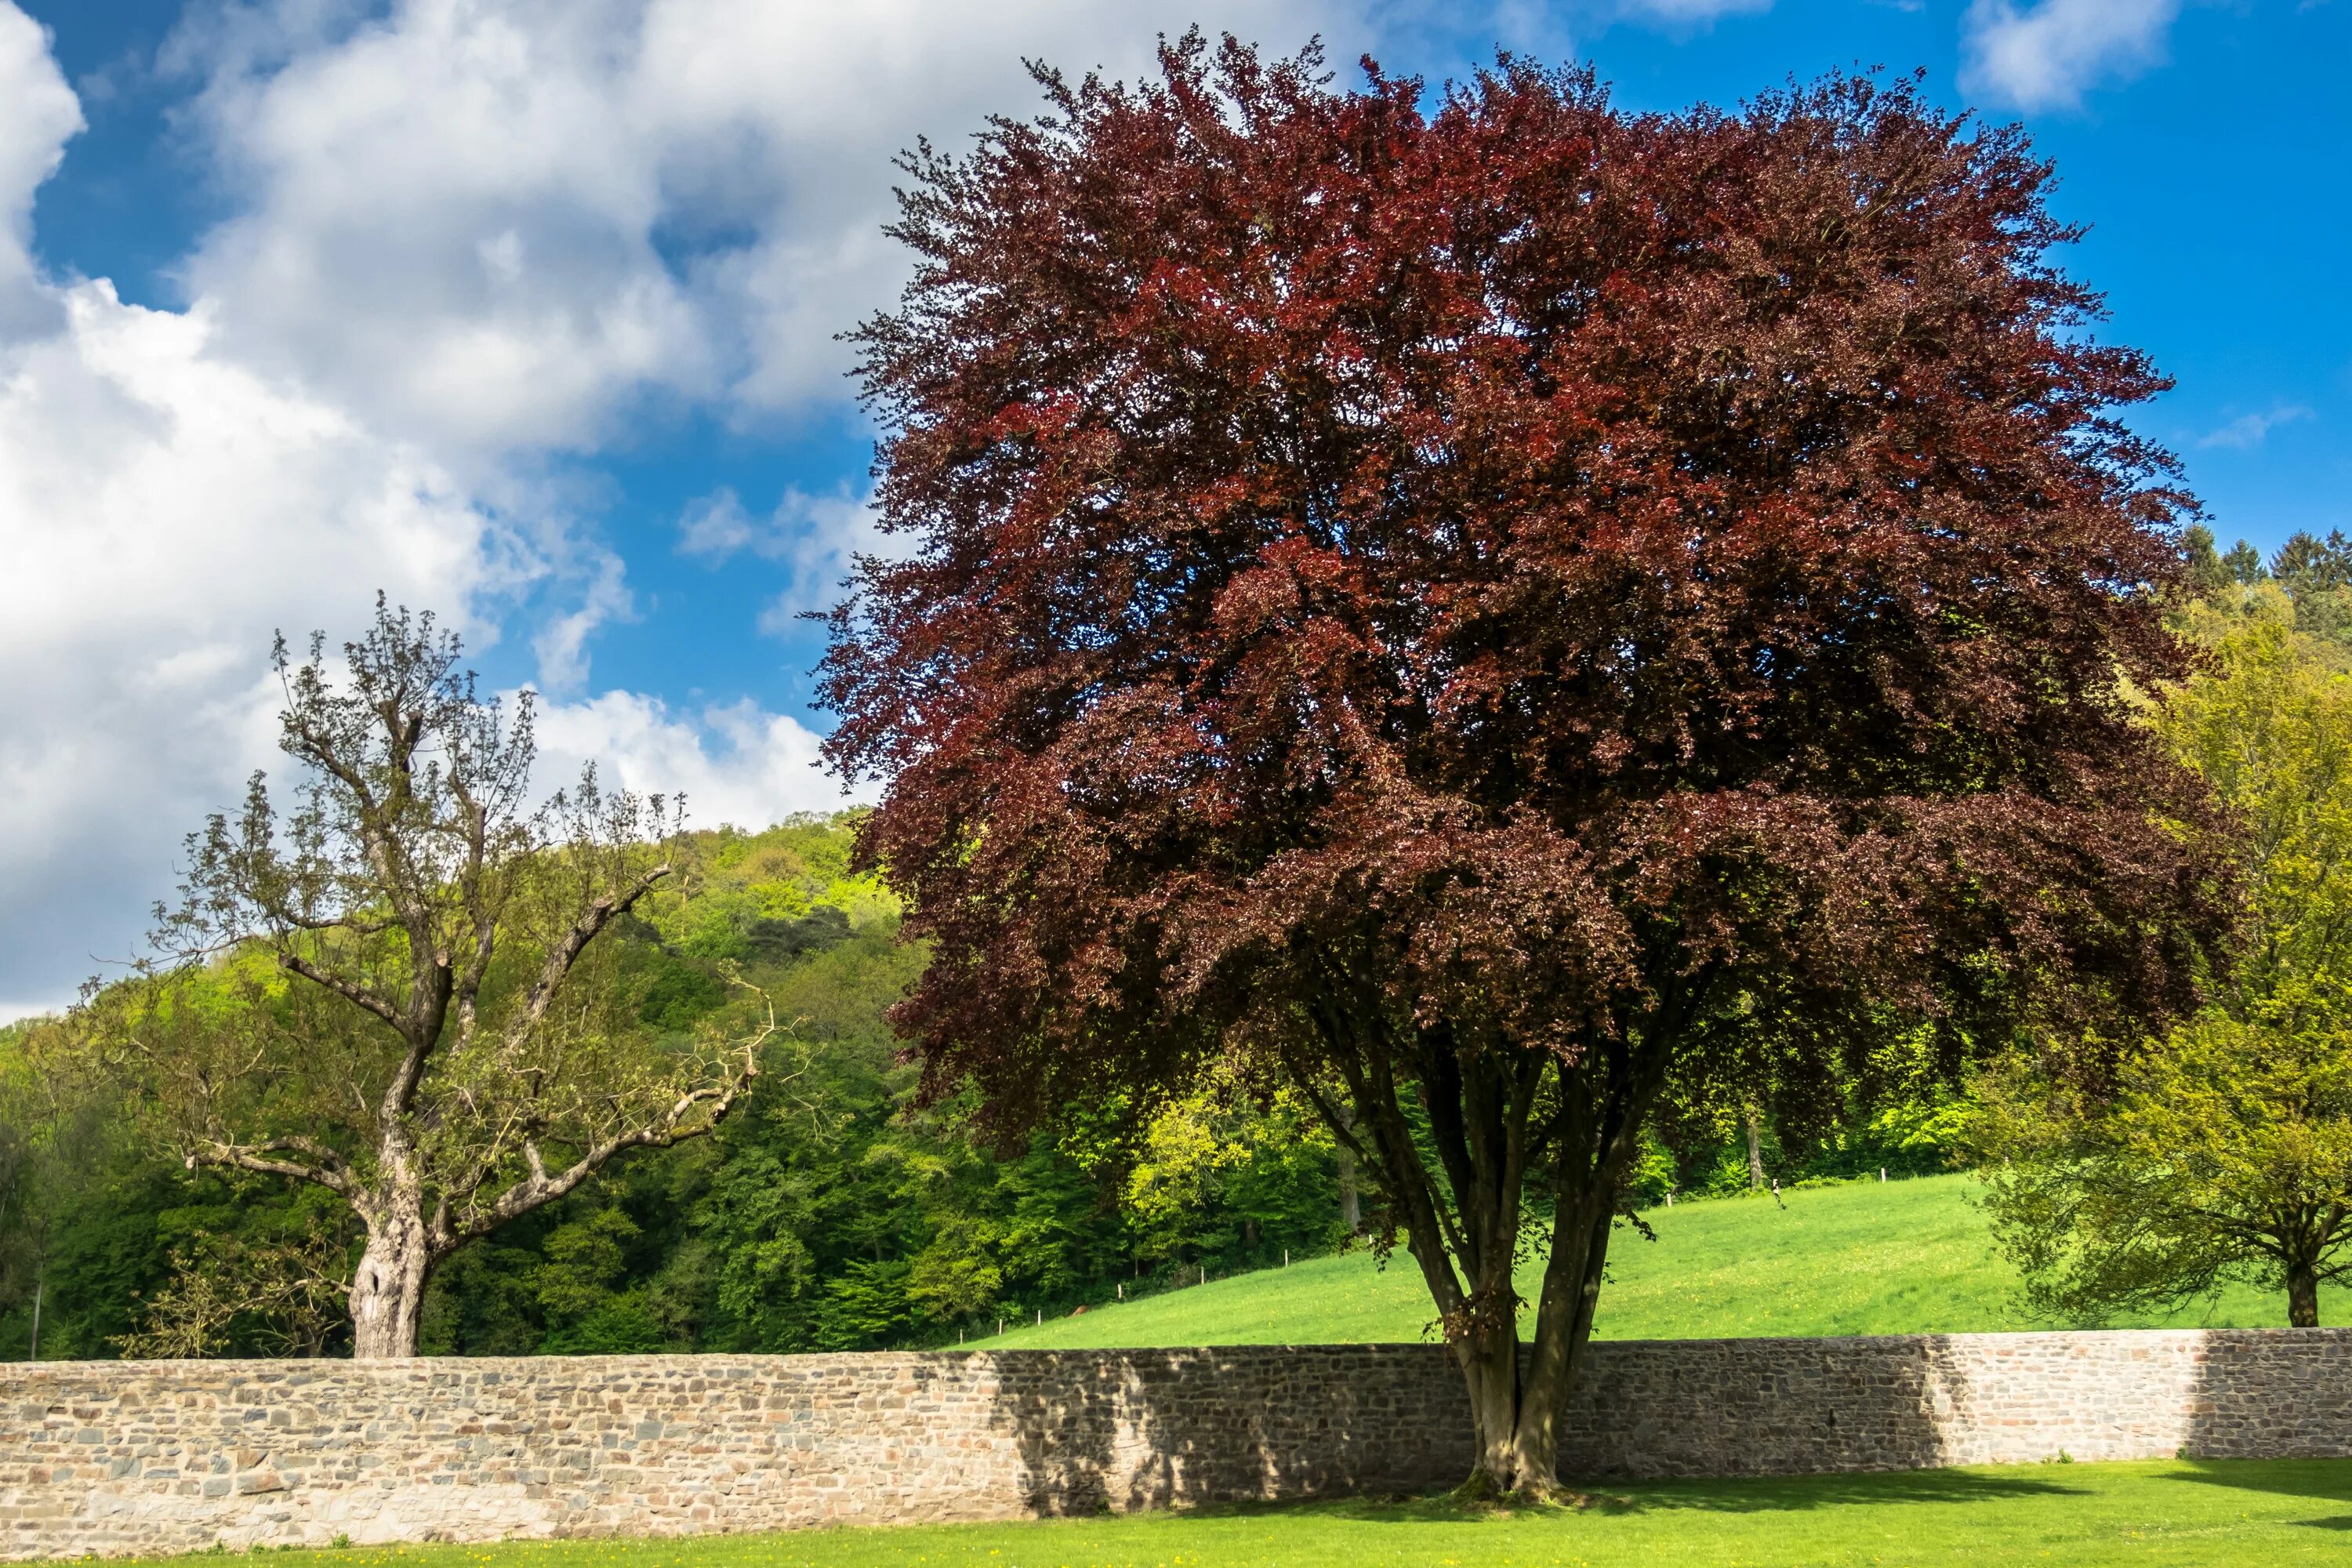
1755 1151
2302 1294
1351 1203
388 1287
1489 1361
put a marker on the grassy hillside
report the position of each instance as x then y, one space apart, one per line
1903 1257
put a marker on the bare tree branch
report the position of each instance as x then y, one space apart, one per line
330 1172
541 1187
349 990
566 951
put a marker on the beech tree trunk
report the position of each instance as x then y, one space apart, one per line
388 1287
1755 1152
1516 1400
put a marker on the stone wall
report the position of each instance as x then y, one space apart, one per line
174 1455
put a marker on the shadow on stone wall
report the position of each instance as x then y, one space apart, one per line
1129 1430
174 1456
1647 1410
2271 1393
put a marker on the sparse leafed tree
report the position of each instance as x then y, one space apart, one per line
395 990
2223 1150
293 1294
1498 606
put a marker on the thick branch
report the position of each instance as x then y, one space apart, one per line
541 1186
566 952
350 991
330 1172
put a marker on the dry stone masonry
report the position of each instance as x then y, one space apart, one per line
158 1457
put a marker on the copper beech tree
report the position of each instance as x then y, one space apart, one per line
396 991
1498 609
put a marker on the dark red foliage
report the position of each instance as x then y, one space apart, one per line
1509 602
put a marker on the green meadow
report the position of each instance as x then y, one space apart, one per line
2167 1515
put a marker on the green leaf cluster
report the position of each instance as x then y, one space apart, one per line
2223 1150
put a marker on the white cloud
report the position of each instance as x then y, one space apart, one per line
1694 10
562 644
493 224
2043 55
163 512
2250 430
816 537
166 506
38 113
734 764
716 528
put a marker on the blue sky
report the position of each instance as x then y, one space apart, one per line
524 309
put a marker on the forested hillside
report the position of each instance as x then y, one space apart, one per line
832 1211
829 1212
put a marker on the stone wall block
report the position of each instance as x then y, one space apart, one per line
155 1456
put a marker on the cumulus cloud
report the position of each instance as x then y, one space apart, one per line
2045 56
815 538
166 505
38 113
2249 431
165 512
500 223
735 764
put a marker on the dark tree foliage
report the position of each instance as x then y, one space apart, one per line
2308 564
1494 606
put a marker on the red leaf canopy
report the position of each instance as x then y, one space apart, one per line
1504 570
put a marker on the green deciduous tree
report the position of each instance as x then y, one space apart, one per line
2223 1149
396 992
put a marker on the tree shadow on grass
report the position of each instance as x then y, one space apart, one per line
1869 1488
2327 1479
1775 1494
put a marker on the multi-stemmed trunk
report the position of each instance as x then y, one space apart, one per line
1463 1228
1517 1397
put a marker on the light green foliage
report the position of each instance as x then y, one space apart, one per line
2169 1514
1216 1149
2307 586
1862 1257
830 1211
2224 1151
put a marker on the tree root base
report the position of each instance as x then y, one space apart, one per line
1483 1493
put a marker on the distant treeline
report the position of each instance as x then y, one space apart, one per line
830 1212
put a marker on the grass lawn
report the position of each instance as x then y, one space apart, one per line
1902 1257
2192 1515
